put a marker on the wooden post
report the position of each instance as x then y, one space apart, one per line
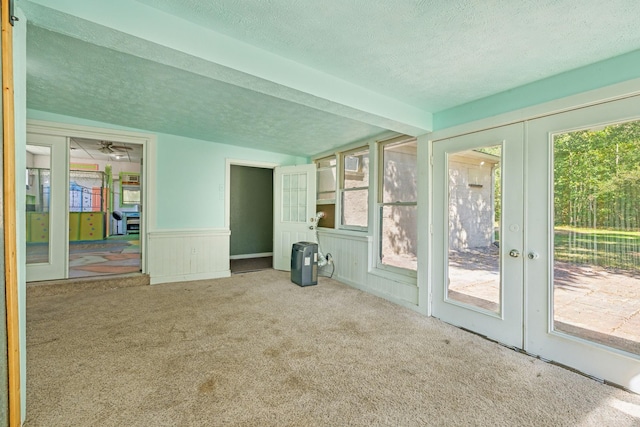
9 193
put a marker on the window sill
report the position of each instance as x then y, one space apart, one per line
358 235
406 277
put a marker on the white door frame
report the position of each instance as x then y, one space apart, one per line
227 183
148 172
57 265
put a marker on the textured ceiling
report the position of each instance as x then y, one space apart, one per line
302 77
432 54
71 77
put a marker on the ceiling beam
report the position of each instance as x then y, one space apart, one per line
134 28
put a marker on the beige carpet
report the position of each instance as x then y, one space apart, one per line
247 265
257 350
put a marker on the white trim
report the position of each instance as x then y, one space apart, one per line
190 277
189 232
249 256
400 275
383 295
227 182
359 143
573 102
148 172
346 234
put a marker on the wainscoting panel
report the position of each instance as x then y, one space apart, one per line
183 255
353 258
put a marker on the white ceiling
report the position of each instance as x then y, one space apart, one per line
302 77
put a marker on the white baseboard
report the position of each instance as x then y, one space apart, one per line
247 256
382 295
190 277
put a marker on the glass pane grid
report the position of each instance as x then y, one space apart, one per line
294 197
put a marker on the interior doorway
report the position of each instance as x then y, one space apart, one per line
104 207
250 218
84 201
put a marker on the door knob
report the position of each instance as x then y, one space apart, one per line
533 255
514 253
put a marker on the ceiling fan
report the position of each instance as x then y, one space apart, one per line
108 147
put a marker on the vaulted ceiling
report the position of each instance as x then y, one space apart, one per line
301 77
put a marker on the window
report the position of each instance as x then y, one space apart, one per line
326 190
397 203
129 189
354 189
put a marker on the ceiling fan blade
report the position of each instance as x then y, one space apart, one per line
120 147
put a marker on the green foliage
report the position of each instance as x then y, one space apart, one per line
597 177
597 196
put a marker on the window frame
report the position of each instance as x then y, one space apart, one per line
380 204
327 205
325 168
342 190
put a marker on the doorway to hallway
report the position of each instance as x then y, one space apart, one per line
251 218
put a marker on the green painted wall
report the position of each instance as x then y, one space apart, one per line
615 70
190 174
251 210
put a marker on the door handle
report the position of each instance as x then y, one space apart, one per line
514 253
533 255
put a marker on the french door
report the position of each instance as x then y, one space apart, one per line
478 233
46 204
536 240
583 195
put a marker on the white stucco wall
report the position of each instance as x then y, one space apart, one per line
471 207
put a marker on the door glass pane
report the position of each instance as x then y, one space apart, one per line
474 227
596 292
294 197
38 178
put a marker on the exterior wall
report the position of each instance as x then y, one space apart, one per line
400 221
471 212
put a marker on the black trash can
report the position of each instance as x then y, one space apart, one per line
304 263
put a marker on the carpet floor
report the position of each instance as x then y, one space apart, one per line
256 350
250 264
